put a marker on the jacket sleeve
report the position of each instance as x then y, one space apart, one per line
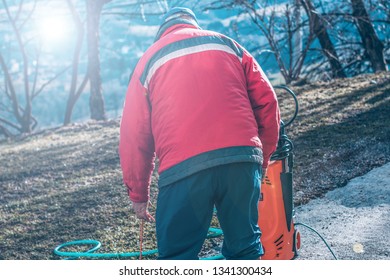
264 104
136 144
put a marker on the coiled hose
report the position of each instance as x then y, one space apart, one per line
92 254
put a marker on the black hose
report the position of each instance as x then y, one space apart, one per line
285 146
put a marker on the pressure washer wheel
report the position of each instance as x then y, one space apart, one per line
296 242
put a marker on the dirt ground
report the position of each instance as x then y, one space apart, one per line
65 184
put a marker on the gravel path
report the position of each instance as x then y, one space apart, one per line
354 220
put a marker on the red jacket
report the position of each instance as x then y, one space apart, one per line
194 92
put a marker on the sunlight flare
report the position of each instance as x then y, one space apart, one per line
54 29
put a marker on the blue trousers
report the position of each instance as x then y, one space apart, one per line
185 209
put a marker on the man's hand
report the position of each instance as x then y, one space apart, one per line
141 211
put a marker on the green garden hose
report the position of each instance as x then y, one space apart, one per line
91 253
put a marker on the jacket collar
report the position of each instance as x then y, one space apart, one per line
173 24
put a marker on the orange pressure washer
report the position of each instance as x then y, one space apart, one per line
280 239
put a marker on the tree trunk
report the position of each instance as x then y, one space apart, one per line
75 93
323 37
371 43
72 99
96 101
26 118
297 36
69 111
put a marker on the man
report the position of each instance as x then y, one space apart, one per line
202 104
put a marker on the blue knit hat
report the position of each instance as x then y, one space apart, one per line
176 12
173 17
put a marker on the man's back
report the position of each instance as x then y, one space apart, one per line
197 91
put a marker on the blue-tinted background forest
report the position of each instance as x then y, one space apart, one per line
39 40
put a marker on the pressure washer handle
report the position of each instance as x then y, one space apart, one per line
285 88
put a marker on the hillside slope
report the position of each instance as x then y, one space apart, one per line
65 184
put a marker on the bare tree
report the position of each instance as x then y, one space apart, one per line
75 89
344 30
371 43
318 27
22 120
285 43
96 101
23 117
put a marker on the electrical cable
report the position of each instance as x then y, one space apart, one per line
323 239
